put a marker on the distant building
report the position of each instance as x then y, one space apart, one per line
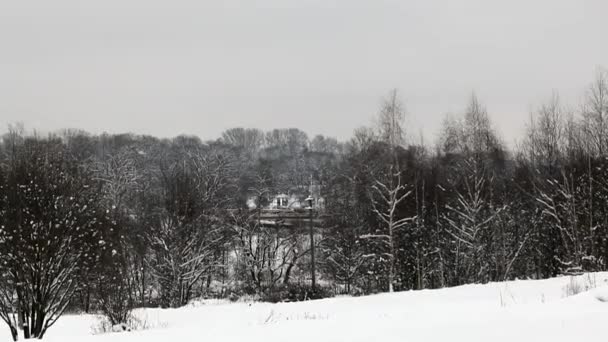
283 201
293 200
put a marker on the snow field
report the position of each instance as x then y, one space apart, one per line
525 310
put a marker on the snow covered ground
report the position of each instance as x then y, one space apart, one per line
512 311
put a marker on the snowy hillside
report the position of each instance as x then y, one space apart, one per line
512 311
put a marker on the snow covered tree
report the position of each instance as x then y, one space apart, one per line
116 277
470 213
268 254
189 224
559 203
344 254
49 231
386 198
388 190
345 258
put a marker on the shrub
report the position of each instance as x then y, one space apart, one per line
296 293
578 285
134 323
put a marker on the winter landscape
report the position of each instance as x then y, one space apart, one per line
530 310
303 170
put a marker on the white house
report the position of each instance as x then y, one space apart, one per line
293 200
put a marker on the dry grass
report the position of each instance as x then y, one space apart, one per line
579 284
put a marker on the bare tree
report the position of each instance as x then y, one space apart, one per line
50 229
391 121
559 203
595 112
189 226
389 191
546 135
470 214
470 217
120 276
386 199
268 254
249 139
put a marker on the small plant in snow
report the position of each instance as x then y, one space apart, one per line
504 296
104 326
578 285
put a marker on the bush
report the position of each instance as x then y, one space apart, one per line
296 293
578 285
103 325
115 299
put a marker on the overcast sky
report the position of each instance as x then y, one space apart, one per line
199 67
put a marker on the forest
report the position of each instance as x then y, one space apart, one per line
111 222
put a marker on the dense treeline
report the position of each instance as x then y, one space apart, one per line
111 222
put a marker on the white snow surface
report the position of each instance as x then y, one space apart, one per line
524 310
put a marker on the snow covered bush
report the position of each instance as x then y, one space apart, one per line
116 299
51 233
134 322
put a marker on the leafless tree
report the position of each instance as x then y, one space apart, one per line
121 275
595 112
249 139
559 203
385 201
389 191
470 214
190 226
546 134
269 254
48 232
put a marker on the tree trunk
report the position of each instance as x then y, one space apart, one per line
391 266
87 300
14 333
288 271
143 283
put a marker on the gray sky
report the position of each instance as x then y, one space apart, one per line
199 67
